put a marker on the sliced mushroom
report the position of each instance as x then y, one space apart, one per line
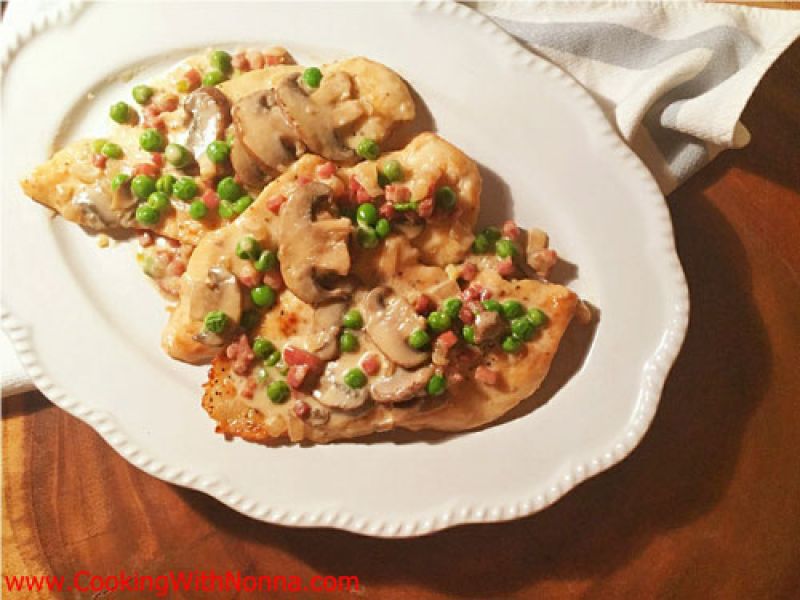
488 326
220 291
246 167
265 135
403 385
210 114
313 250
315 117
334 393
325 327
94 207
389 321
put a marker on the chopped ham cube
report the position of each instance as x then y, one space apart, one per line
510 230
362 196
396 193
466 315
193 77
296 356
506 267
240 62
296 375
211 199
148 169
241 354
249 277
167 102
425 209
371 363
473 292
274 204
448 339
146 239
486 375
423 304
326 170
302 409
274 279
157 158
387 211
469 271
99 161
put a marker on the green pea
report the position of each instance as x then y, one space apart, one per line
248 248
348 342
468 333
419 339
142 93
142 186
367 237
505 248
185 188
119 180
353 319
218 151
537 317
513 309
446 198
97 145
355 378
393 170
228 189
151 140
481 244
522 328
250 318
383 228
225 209
273 359
198 209
312 77
215 321
492 234
120 112
368 148
262 347
220 60
512 345
263 296
177 155
278 392
165 183
111 150
451 307
147 215
436 385
439 321
266 261
262 375
367 214
282 367
241 204
213 77
158 200
493 305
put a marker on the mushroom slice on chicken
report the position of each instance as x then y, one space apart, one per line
401 386
316 116
325 327
210 115
389 320
264 136
312 250
334 393
95 207
220 291
488 326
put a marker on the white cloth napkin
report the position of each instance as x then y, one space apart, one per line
672 77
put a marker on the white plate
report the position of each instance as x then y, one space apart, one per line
87 324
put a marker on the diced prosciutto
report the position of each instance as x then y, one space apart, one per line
396 193
99 161
157 158
387 211
486 375
326 170
193 77
296 356
240 62
249 276
510 230
211 199
469 271
148 169
302 409
473 292
466 315
241 354
371 363
274 204
423 304
297 375
425 209
167 102
506 267
442 346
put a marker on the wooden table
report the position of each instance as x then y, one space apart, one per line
707 507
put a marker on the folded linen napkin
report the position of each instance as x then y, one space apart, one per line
672 77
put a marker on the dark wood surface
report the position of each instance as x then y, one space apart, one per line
707 507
